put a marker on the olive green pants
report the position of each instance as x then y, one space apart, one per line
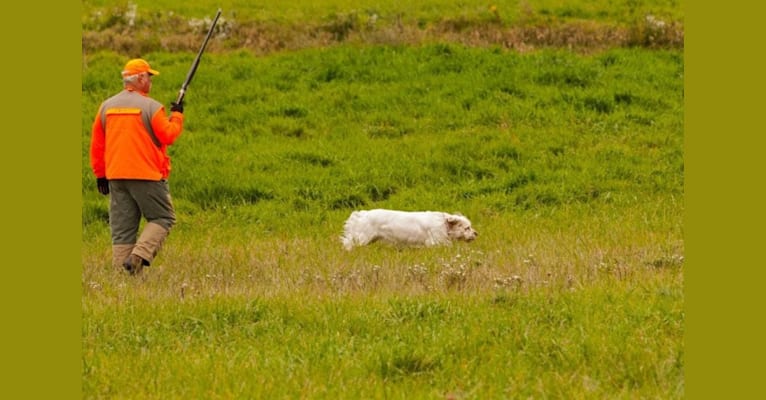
129 201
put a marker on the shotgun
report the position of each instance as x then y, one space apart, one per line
194 66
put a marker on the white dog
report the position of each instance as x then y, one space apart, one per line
405 228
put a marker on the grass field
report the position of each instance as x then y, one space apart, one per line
569 164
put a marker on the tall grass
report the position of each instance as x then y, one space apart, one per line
307 11
570 167
337 129
143 26
595 343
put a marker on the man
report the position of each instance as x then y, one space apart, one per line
128 155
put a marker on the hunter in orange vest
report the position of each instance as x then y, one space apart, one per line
128 154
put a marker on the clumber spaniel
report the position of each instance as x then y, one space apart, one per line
405 228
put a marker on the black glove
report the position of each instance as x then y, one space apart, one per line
178 107
103 186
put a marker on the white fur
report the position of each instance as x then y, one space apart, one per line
405 228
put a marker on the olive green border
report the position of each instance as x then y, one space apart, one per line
40 265
724 82
724 157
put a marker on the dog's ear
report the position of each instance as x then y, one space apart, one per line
452 220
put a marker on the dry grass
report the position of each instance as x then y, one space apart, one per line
507 257
269 37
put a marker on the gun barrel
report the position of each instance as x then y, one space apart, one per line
194 66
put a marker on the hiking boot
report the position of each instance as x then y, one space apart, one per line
134 264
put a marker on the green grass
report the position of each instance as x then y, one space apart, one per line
329 130
590 343
569 165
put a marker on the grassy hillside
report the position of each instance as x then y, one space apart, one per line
570 165
328 130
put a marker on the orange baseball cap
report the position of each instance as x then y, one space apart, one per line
137 66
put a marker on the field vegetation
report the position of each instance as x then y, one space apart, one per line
142 26
566 154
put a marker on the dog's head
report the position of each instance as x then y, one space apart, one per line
459 228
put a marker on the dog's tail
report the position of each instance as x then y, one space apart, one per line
349 227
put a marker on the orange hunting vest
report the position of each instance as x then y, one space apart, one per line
130 137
